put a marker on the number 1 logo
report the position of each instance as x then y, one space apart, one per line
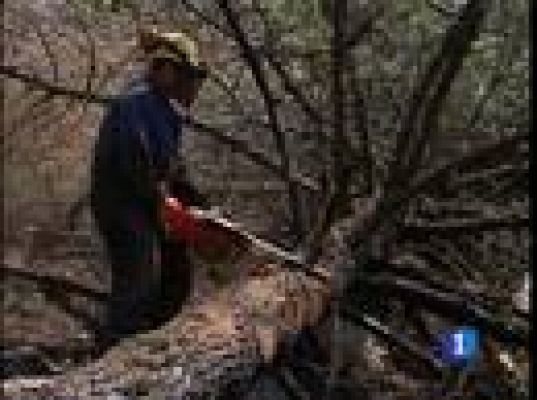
459 344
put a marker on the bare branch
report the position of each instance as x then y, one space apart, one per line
191 8
423 108
257 71
413 349
260 158
440 10
486 183
450 228
504 150
361 128
288 382
55 283
52 89
431 92
363 28
480 106
492 86
288 86
40 100
276 65
450 305
340 144
226 138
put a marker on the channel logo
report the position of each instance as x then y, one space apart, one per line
459 346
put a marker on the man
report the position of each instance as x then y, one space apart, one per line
133 173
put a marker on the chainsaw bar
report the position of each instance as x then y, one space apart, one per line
214 217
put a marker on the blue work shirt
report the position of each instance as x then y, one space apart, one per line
145 110
120 173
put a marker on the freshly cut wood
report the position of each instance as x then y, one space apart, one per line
200 351
214 344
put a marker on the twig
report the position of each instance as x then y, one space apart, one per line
439 9
52 89
257 71
430 93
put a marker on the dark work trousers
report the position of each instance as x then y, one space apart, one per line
175 277
150 278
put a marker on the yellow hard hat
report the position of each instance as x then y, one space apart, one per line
177 47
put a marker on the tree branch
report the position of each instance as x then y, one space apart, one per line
363 29
380 330
441 10
257 71
340 144
431 92
361 128
56 284
451 228
421 112
238 145
52 89
451 305
503 151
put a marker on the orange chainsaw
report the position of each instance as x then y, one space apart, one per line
206 230
209 231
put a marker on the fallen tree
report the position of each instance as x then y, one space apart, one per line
218 345
210 347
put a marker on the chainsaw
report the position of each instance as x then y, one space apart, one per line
205 229
208 230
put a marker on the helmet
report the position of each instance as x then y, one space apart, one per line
176 47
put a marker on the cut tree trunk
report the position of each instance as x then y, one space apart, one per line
212 346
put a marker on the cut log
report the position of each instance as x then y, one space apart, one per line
211 346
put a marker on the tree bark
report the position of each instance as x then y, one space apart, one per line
210 347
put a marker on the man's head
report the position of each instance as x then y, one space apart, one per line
174 65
